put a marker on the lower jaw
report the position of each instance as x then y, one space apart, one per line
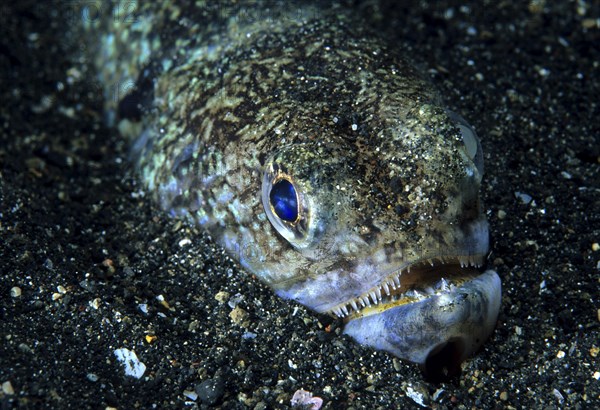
438 332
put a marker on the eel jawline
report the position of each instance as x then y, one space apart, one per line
438 332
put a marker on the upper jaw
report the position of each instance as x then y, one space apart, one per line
342 282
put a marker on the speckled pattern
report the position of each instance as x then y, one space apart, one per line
88 265
385 180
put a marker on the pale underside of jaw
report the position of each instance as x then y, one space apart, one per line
413 283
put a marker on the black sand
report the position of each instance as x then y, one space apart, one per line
82 251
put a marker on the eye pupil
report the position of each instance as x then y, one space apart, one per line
284 200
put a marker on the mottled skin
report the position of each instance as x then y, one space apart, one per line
227 102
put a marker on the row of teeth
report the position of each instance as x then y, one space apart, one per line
392 282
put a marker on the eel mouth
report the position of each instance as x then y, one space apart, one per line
414 283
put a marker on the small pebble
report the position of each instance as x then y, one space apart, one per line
305 400
23 347
7 388
238 315
501 214
210 390
163 301
132 365
523 197
558 395
95 303
504 396
261 405
249 335
439 394
234 301
192 395
595 246
418 394
15 292
589 23
184 242
109 265
222 297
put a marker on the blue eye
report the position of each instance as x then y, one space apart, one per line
284 201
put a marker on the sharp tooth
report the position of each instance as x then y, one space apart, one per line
386 288
414 293
337 311
378 293
362 302
396 280
366 300
354 306
391 283
444 285
345 310
373 297
431 262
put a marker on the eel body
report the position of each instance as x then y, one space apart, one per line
317 156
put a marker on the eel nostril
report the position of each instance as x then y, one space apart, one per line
443 362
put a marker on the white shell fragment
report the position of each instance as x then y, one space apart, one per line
133 366
305 399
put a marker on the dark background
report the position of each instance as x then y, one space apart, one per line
87 250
